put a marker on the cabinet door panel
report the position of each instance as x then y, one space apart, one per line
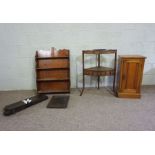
131 74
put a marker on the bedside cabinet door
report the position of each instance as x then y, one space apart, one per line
131 73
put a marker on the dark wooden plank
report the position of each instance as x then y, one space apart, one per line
21 105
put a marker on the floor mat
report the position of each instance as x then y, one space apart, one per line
58 102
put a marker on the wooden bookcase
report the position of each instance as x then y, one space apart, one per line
53 71
130 73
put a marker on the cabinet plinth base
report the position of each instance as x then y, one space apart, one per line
128 95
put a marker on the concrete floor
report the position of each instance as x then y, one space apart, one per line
96 110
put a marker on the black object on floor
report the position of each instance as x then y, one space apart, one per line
18 106
58 102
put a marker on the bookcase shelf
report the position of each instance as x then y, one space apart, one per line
40 58
52 79
52 68
53 71
54 92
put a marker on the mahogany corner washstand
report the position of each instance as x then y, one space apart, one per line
99 70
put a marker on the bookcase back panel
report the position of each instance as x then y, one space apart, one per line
53 63
53 86
60 74
53 53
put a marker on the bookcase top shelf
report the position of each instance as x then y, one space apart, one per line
53 54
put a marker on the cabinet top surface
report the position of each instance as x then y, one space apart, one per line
100 51
132 56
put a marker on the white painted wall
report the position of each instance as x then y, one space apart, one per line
18 43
